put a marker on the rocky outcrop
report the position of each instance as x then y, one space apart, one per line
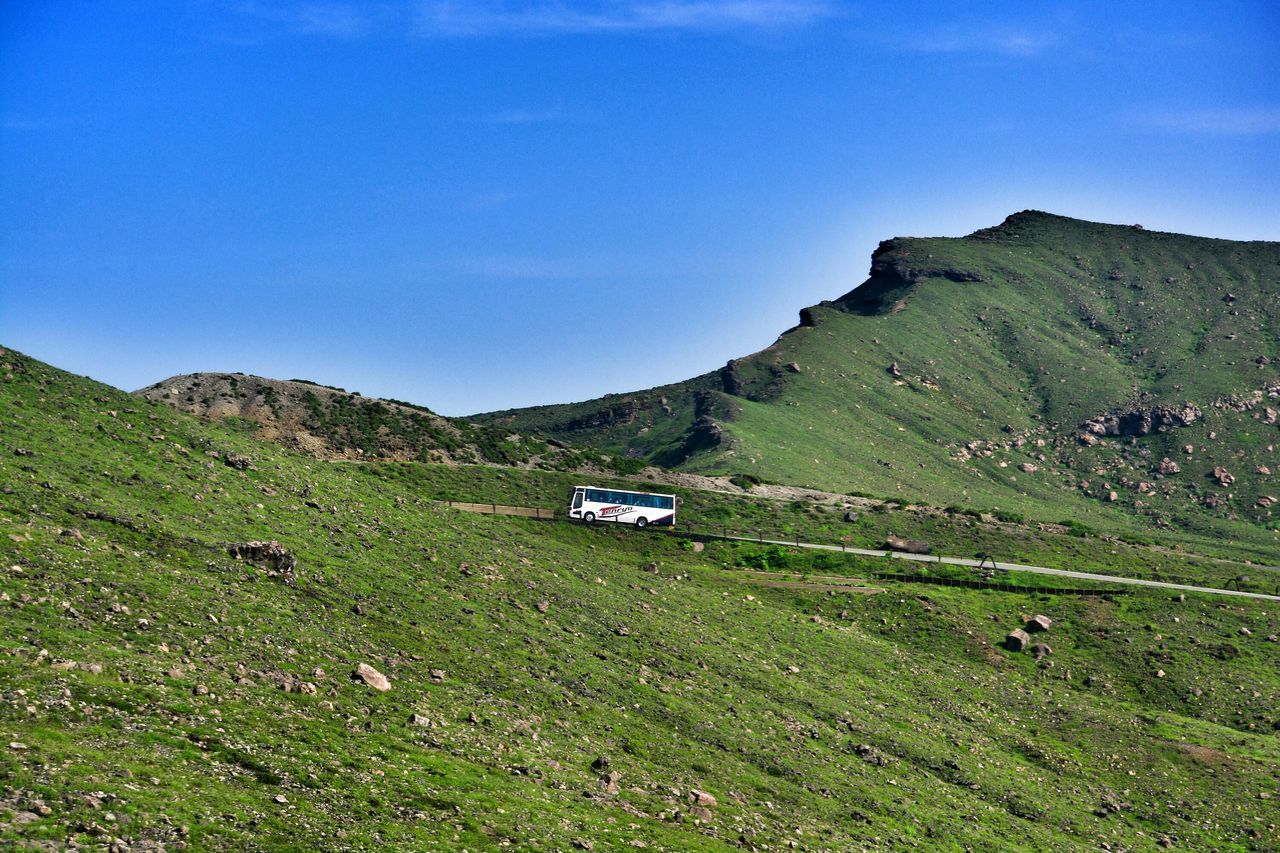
272 555
895 269
1143 421
730 380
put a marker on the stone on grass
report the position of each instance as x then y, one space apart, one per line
1017 641
1039 622
371 677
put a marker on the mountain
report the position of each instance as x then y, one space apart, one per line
195 625
333 423
1047 366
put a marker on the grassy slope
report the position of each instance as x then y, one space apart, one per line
1069 320
564 646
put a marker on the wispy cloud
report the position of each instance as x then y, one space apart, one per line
994 39
490 201
1226 121
519 116
618 16
332 19
28 123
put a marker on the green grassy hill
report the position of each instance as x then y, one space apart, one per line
965 371
561 687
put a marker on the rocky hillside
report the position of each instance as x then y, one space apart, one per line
1047 366
210 642
332 423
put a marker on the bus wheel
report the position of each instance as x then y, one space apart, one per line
641 522
589 518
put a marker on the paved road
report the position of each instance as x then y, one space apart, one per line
1017 567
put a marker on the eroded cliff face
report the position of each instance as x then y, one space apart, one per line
897 265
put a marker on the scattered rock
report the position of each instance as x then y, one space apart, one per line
237 461
701 798
1028 468
1041 650
1168 466
1017 640
271 554
601 764
419 720
1223 476
701 814
437 676
793 367
871 755
371 677
1039 622
895 371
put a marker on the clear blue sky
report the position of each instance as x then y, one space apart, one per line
477 205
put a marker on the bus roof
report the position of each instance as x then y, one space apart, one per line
633 491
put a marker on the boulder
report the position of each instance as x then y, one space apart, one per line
1041 650
894 370
237 461
271 554
1223 476
1038 623
371 677
793 367
1017 640
701 798
909 546
1168 466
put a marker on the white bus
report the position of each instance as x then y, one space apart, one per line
639 508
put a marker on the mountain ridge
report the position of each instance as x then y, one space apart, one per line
1012 335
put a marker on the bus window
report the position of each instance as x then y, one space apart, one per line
577 499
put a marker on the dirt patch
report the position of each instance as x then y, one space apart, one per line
1204 755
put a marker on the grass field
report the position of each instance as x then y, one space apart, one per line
156 690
